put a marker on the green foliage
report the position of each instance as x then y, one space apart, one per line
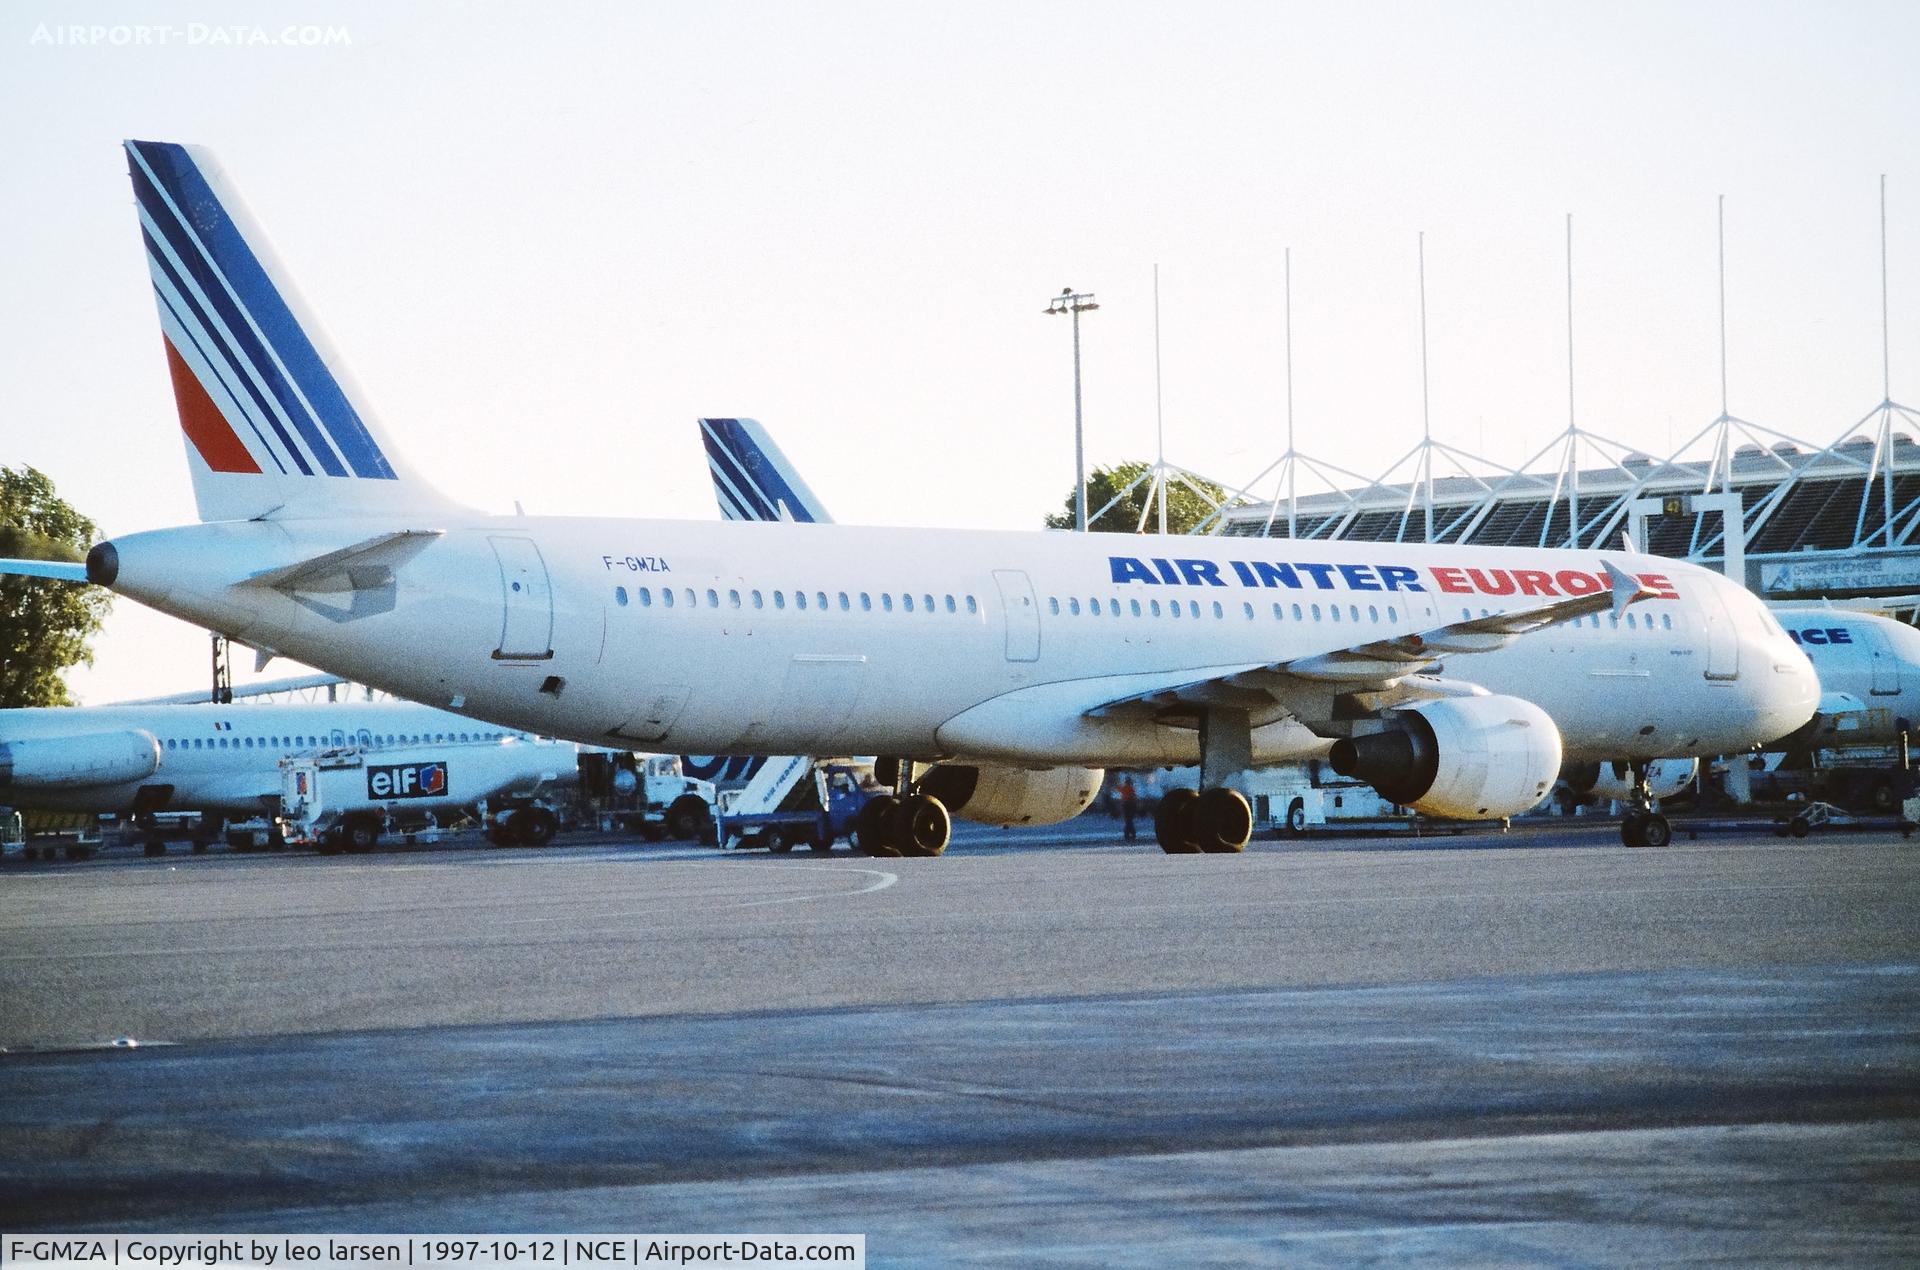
45 625
1185 508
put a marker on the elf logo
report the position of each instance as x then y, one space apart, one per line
407 780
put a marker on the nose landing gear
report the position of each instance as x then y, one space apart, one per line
1643 825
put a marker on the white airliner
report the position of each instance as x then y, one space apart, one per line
222 761
1453 679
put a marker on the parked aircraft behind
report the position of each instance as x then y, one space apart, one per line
1454 679
222 761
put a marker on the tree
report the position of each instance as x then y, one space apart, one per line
1185 509
45 625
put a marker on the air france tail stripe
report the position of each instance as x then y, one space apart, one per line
190 311
207 376
746 504
291 348
723 493
727 469
202 421
175 230
755 467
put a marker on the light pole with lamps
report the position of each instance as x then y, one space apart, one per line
1076 303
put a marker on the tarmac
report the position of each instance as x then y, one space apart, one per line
1042 1048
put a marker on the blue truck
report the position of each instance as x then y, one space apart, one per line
816 812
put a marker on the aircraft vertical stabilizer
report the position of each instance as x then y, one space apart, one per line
274 425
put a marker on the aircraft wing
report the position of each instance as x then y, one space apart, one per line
1376 666
63 570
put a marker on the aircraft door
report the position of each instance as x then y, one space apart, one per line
1723 636
526 624
1886 667
1023 614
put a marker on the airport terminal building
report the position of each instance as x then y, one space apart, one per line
1837 520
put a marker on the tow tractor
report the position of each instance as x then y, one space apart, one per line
817 812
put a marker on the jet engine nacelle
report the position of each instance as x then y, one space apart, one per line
1465 758
93 758
1665 778
1012 795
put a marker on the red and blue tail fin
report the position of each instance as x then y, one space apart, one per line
274 425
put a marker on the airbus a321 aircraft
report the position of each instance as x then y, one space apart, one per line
1453 679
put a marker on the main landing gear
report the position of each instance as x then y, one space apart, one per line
1643 825
903 823
1213 818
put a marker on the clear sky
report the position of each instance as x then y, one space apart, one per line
549 237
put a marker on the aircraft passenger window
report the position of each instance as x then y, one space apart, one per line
1073 606
691 599
1113 606
758 602
800 600
951 607
620 596
169 743
1333 609
1373 614
1136 607
666 596
1353 611
929 600
1630 622
846 605
713 598
1173 608
1316 612
1155 605
1615 620
1666 621
779 599
196 742
1193 607
821 596
646 597
972 605
733 599
1296 612
866 602
1053 605
906 603
1393 614
886 601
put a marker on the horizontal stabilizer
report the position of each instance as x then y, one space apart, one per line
329 572
60 569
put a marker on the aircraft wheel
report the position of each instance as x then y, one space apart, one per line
870 827
921 826
1173 822
533 826
360 833
1655 831
1222 821
1632 830
687 817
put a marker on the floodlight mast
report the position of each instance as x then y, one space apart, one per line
1075 303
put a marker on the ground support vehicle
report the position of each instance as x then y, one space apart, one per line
816 812
647 794
346 799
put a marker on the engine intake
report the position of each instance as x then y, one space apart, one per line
1463 758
